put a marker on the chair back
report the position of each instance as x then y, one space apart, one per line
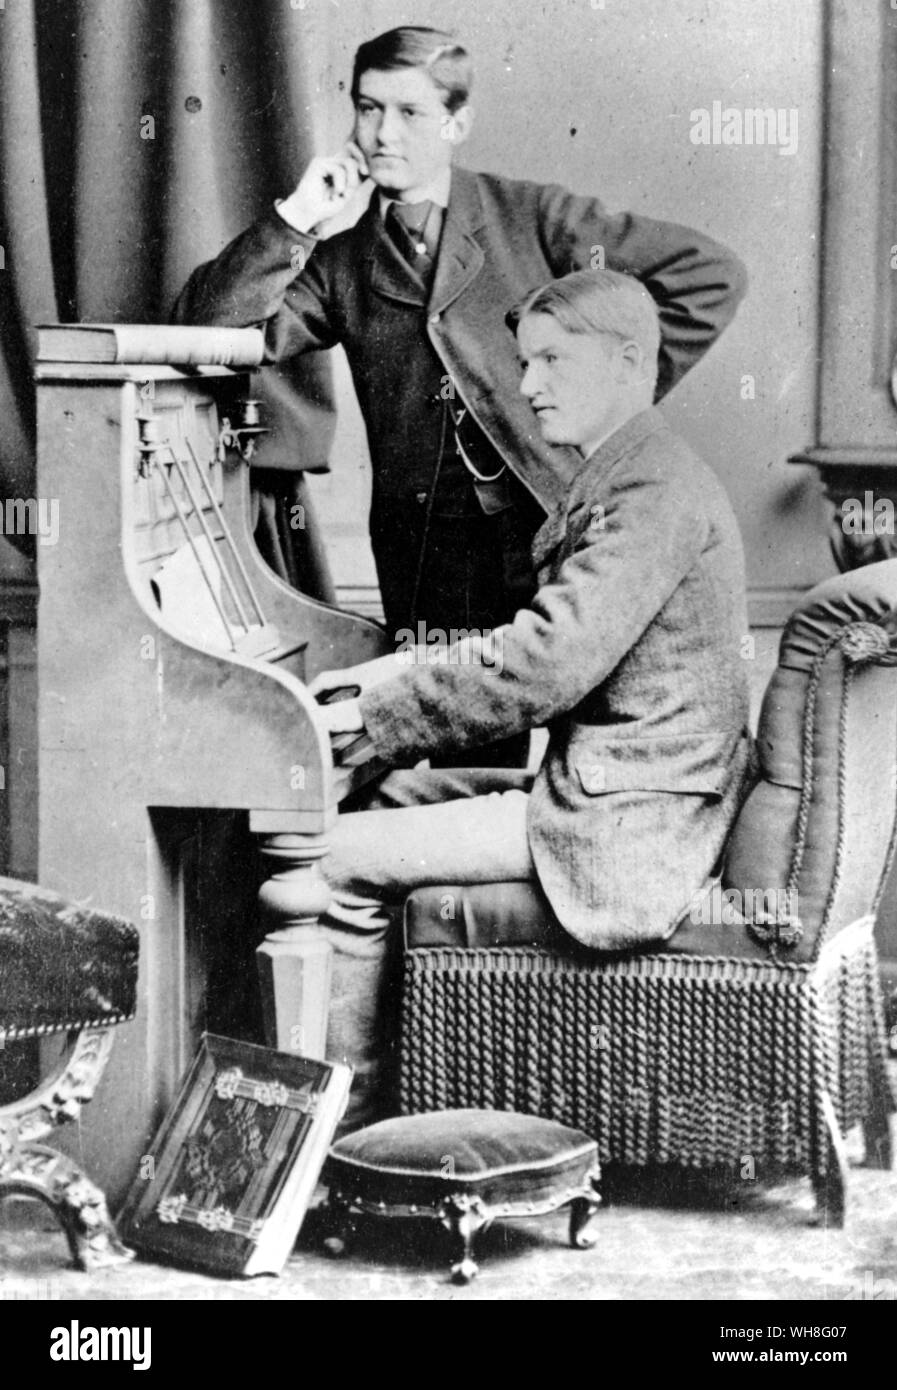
813 845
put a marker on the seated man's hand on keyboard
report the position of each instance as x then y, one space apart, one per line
341 717
363 677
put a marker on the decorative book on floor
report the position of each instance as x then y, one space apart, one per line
229 1177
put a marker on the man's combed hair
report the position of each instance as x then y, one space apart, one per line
597 301
447 61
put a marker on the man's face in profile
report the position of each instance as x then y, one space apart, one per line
404 130
571 380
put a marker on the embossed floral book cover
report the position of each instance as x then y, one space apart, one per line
231 1172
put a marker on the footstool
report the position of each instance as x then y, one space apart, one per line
64 968
463 1168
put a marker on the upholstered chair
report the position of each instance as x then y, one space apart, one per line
755 1034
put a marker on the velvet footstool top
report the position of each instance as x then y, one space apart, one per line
466 1167
62 965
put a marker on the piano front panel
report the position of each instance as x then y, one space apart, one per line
159 757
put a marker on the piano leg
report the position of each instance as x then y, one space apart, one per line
294 960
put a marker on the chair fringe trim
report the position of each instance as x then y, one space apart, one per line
662 1059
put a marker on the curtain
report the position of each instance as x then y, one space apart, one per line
136 138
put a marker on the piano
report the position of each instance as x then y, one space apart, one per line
182 762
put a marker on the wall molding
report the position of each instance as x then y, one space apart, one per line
766 607
773 607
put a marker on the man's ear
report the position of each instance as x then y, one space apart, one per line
458 124
632 362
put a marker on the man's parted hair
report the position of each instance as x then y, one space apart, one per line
594 302
447 61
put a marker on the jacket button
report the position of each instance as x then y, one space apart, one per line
434 318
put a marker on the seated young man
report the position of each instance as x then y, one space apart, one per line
628 655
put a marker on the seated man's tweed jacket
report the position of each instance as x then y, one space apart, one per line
630 655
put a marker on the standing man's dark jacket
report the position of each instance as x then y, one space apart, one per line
414 352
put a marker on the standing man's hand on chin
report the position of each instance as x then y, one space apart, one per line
327 185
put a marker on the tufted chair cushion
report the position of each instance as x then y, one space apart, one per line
815 837
62 965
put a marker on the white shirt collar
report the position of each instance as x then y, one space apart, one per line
436 192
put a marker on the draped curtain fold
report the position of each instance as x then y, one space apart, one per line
135 140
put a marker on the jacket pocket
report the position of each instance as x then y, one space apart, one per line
703 764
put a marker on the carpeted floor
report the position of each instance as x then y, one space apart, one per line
694 1239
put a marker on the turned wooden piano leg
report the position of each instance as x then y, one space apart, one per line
294 960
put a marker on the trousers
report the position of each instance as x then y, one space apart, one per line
427 826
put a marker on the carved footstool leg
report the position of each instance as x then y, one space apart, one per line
464 1216
35 1170
582 1209
339 1224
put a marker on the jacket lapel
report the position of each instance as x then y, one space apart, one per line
459 260
389 273
548 537
460 257
621 442
585 485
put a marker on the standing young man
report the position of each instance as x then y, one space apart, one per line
416 292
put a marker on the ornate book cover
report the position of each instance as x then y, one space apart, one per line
231 1172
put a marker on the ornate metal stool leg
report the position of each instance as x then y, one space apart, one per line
464 1216
339 1224
35 1170
582 1209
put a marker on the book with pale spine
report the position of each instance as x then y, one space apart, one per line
230 1174
152 343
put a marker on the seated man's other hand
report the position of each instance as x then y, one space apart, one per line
365 676
341 717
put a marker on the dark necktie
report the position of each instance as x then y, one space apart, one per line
412 226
